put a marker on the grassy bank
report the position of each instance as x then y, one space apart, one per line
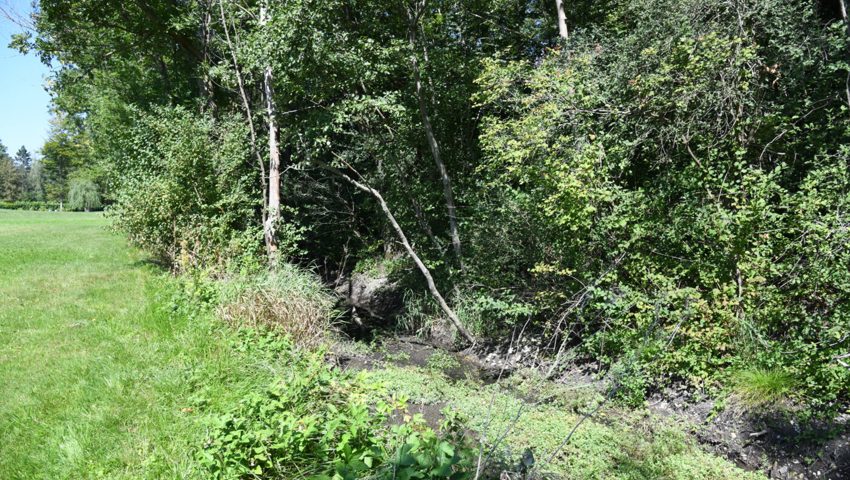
108 372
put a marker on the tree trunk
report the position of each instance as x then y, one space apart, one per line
429 280
562 20
432 139
270 227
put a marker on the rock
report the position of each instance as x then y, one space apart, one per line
443 333
372 297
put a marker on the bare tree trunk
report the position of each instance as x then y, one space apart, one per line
432 139
562 20
246 105
270 227
429 280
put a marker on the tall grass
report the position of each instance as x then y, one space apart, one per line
289 300
761 387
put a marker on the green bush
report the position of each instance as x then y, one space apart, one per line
29 205
315 423
677 202
185 189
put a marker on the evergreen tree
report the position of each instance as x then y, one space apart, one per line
10 178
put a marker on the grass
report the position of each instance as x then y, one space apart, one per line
100 366
760 387
108 372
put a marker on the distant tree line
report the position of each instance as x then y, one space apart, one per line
64 175
20 176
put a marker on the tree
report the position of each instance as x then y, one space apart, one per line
23 162
273 209
65 151
414 15
83 195
10 177
35 182
562 20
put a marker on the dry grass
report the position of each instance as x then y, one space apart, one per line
291 301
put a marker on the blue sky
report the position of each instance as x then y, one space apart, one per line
23 101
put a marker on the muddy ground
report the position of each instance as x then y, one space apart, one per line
776 445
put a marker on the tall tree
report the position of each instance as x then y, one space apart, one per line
23 159
65 151
273 210
10 177
415 15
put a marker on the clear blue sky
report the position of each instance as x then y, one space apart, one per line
23 101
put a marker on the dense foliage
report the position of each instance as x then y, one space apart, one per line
317 423
669 185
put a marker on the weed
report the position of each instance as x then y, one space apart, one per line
397 357
442 361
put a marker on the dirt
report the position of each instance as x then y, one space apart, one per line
776 445
410 351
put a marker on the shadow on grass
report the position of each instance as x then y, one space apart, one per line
156 264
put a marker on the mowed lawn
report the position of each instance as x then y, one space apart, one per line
97 367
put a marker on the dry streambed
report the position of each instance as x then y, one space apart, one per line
517 401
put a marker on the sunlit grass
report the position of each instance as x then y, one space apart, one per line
97 370
760 387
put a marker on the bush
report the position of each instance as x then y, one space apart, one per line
288 300
83 194
29 205
662 201
185 189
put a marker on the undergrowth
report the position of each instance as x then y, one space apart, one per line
760 388
317 422
289 300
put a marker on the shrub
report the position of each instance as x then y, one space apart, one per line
185 189
289 300
29 205
658 208
309 423
83 194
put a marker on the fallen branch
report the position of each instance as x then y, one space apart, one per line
432 287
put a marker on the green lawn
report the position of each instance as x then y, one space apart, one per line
97 365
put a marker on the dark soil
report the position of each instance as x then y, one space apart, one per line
777 445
